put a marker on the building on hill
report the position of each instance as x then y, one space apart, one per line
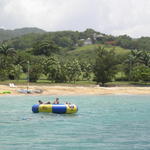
96 36
83 42
88 41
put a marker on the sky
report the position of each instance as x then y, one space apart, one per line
115 17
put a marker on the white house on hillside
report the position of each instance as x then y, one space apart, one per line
88 41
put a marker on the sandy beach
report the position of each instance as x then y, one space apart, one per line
75 90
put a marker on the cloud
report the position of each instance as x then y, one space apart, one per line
131 17
107 16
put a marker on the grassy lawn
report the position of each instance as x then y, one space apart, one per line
77 83
44 81
128 83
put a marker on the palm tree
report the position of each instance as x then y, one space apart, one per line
7 58
135 58
6 50
145 58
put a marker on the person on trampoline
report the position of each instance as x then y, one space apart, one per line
40 102
56 101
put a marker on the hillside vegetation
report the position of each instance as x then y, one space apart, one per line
9 34
70 56
89 52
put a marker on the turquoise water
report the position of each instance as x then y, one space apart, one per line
112 122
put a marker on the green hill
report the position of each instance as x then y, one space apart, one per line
9 34
89 52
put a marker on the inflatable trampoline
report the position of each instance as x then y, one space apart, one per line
55 108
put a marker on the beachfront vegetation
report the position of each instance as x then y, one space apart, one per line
73 57
105 66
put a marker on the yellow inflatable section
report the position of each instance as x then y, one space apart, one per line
55 108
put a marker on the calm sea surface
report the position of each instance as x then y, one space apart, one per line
112 122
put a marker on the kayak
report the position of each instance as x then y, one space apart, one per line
5 92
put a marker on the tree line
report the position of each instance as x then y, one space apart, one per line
46 59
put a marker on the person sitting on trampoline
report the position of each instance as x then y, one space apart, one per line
40 102
56 101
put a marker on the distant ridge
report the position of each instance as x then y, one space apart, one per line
8 34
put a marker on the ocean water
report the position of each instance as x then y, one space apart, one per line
106 122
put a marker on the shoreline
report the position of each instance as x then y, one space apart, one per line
77 90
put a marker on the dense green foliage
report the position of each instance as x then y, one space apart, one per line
70 56
105 66
140 73
46 48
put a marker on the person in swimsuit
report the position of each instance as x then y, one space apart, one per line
40 102
56 101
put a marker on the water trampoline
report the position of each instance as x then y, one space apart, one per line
55 108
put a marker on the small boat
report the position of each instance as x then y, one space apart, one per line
55 108
25 91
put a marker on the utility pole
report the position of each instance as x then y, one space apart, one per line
28 78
